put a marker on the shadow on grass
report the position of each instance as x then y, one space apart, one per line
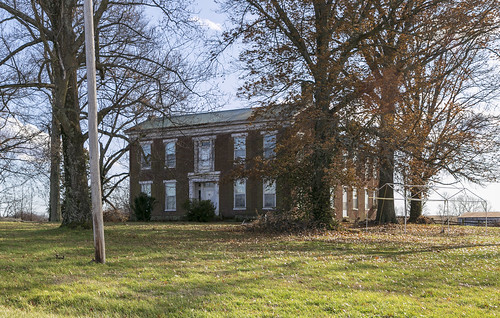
191 270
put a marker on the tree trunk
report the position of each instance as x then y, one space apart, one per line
76 208
320 188
415 204
324 128
388 137
385 203
55 171
76 205
385 207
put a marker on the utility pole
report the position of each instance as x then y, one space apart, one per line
95 175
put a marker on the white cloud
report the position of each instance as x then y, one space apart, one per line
208 24
27 141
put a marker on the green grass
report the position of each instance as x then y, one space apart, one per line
219 270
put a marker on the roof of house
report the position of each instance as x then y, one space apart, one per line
480 215
218 117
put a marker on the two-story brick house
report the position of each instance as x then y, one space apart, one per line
189 156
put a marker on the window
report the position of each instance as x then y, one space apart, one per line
170 195
240 195
367 197
332 198
170 153
269 145
146 187
269 189
240 149
145 155
344 202
204 154
355 199
368 170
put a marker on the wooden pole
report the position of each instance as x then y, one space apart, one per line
95 176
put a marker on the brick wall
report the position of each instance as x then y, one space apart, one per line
224 162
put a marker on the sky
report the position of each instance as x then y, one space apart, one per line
210 18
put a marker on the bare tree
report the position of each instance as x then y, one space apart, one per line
139 72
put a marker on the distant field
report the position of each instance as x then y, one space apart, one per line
219 270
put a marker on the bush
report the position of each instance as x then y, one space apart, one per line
422 219
142 207
200 211
295 221
115 215
32 217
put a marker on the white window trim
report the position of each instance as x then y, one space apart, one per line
332 198
204 138
165 182
146 182
367 199
355 196
345 202
234 196
143 143
264 194
243 134
269 132
165 142
196 143
170 140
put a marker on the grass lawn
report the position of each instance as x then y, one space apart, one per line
219 270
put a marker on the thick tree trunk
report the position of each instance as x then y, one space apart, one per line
386 212
415 204
320 188
325 128
55 172
76 207
388 137
385 203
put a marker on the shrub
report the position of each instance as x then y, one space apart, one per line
115 215
295 221
422 219
200 210
33 217
142 207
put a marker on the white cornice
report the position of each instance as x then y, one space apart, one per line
200 130
241 134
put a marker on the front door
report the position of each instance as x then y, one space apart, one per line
207 191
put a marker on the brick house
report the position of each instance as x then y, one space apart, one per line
188 156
